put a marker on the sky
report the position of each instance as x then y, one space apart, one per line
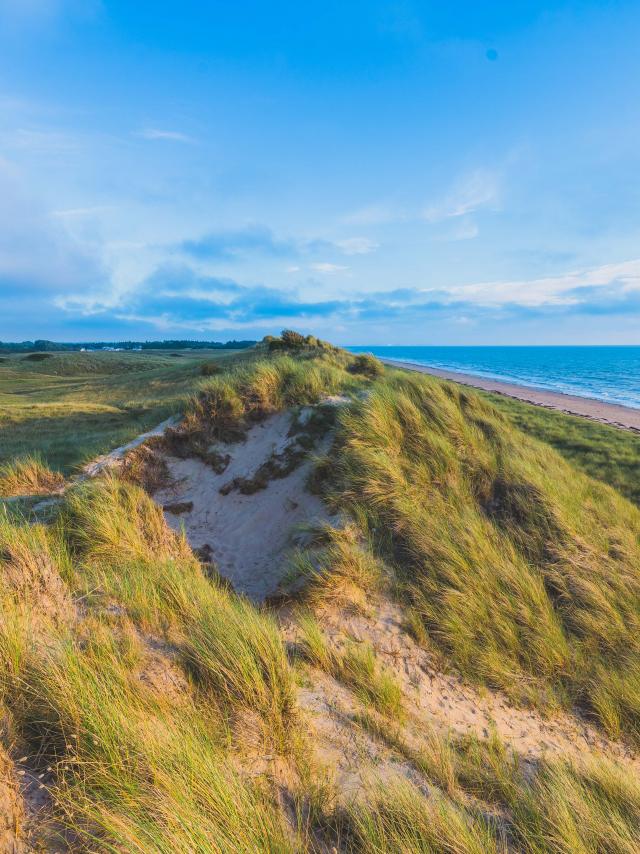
369 171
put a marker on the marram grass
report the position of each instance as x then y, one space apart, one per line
524 571
519 569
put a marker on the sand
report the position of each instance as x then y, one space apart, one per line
623 417
248 537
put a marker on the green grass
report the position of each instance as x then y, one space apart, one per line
606 453
73 406
523 571
356 666
28 476
558 806
134 769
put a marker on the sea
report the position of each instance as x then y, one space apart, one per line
607 373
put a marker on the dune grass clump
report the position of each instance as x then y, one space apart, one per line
521 569
28 476
554 806
373 684
134 771
227 405
399 817
340 571
356 666
131 767
365 363
33 565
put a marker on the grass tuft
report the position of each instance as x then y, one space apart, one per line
28 476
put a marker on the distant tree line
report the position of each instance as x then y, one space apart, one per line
42 346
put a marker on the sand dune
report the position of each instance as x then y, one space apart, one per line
596 410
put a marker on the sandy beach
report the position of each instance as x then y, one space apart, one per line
606 413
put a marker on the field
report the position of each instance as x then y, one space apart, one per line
450 662
69 407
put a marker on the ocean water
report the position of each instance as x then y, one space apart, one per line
611 374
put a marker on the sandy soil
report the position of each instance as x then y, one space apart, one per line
596 410
113 458
247 536
436 702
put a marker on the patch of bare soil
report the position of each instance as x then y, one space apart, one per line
245 518
435 701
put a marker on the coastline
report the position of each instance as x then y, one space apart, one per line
613 414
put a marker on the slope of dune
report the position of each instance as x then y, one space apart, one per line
358 611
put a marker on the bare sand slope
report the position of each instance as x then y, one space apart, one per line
606 413
436 701
246 536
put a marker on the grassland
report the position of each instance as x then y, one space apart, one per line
69 407
606 453
162 712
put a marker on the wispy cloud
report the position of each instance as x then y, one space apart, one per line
476 190
375 214
463 228
326 267
37 254
568 289
357 245
79 213
167 135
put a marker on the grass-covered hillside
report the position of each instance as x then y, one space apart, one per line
68 407
451 663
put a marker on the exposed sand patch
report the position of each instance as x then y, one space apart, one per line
247 536
445 701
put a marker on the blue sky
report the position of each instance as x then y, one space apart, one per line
373 172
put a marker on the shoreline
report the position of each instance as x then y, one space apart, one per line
613 414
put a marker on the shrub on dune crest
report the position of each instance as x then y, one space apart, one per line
366 364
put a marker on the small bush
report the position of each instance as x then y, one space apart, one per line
37 357
292 340
209 369
367 365
273 343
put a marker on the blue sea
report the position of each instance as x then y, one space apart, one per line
611 374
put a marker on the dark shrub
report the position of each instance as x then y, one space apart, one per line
367 365
37 357
292 340
273 343
208 369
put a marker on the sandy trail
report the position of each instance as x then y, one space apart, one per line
596 410
246 536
